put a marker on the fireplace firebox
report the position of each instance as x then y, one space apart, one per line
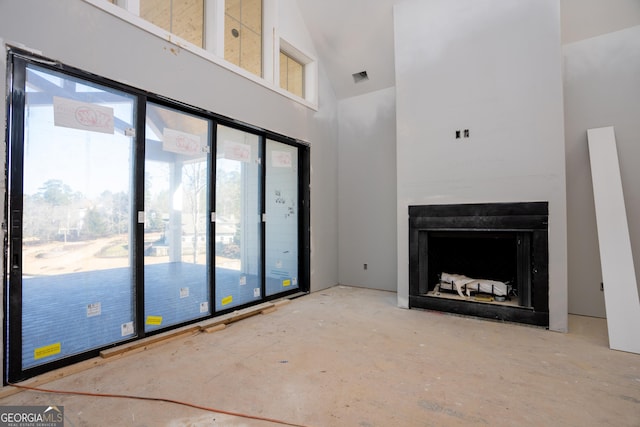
499 249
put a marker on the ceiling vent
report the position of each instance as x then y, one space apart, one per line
360 77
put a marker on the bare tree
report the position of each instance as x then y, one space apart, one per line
194 180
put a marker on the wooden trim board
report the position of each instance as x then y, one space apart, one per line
620 286
146 342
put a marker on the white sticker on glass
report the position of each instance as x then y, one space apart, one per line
204 307
73 114
281 159
127 329
236 151
94 309
182 142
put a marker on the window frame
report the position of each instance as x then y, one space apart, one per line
293 54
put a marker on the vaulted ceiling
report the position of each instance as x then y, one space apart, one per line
352 36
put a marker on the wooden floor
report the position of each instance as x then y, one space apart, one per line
349 357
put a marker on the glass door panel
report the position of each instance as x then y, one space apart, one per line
238 219
76 237
176 228
281 207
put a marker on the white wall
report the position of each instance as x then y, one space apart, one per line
493 67
582 19
601 88
323 131
292 28
367 192
81 35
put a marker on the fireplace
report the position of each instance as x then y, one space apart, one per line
497 252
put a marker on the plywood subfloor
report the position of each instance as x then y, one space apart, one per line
349 357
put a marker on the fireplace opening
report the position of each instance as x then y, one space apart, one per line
488 266
486 260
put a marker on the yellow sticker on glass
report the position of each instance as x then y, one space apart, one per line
154 320
286 282
227 300
47 350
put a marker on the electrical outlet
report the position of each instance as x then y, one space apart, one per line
366 266
466 133
457 134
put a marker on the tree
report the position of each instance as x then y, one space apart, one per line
194 180
95 224
58 196
121 209
117 208
56 193
228 191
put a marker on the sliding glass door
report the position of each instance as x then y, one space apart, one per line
176 227
238 237
71 236
282 217
130 214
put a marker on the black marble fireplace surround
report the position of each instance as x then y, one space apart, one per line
497 241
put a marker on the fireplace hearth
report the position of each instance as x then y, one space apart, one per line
504 245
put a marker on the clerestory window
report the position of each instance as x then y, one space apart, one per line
291 75
230 32
243 34
184 18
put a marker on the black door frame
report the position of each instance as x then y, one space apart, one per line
17 62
